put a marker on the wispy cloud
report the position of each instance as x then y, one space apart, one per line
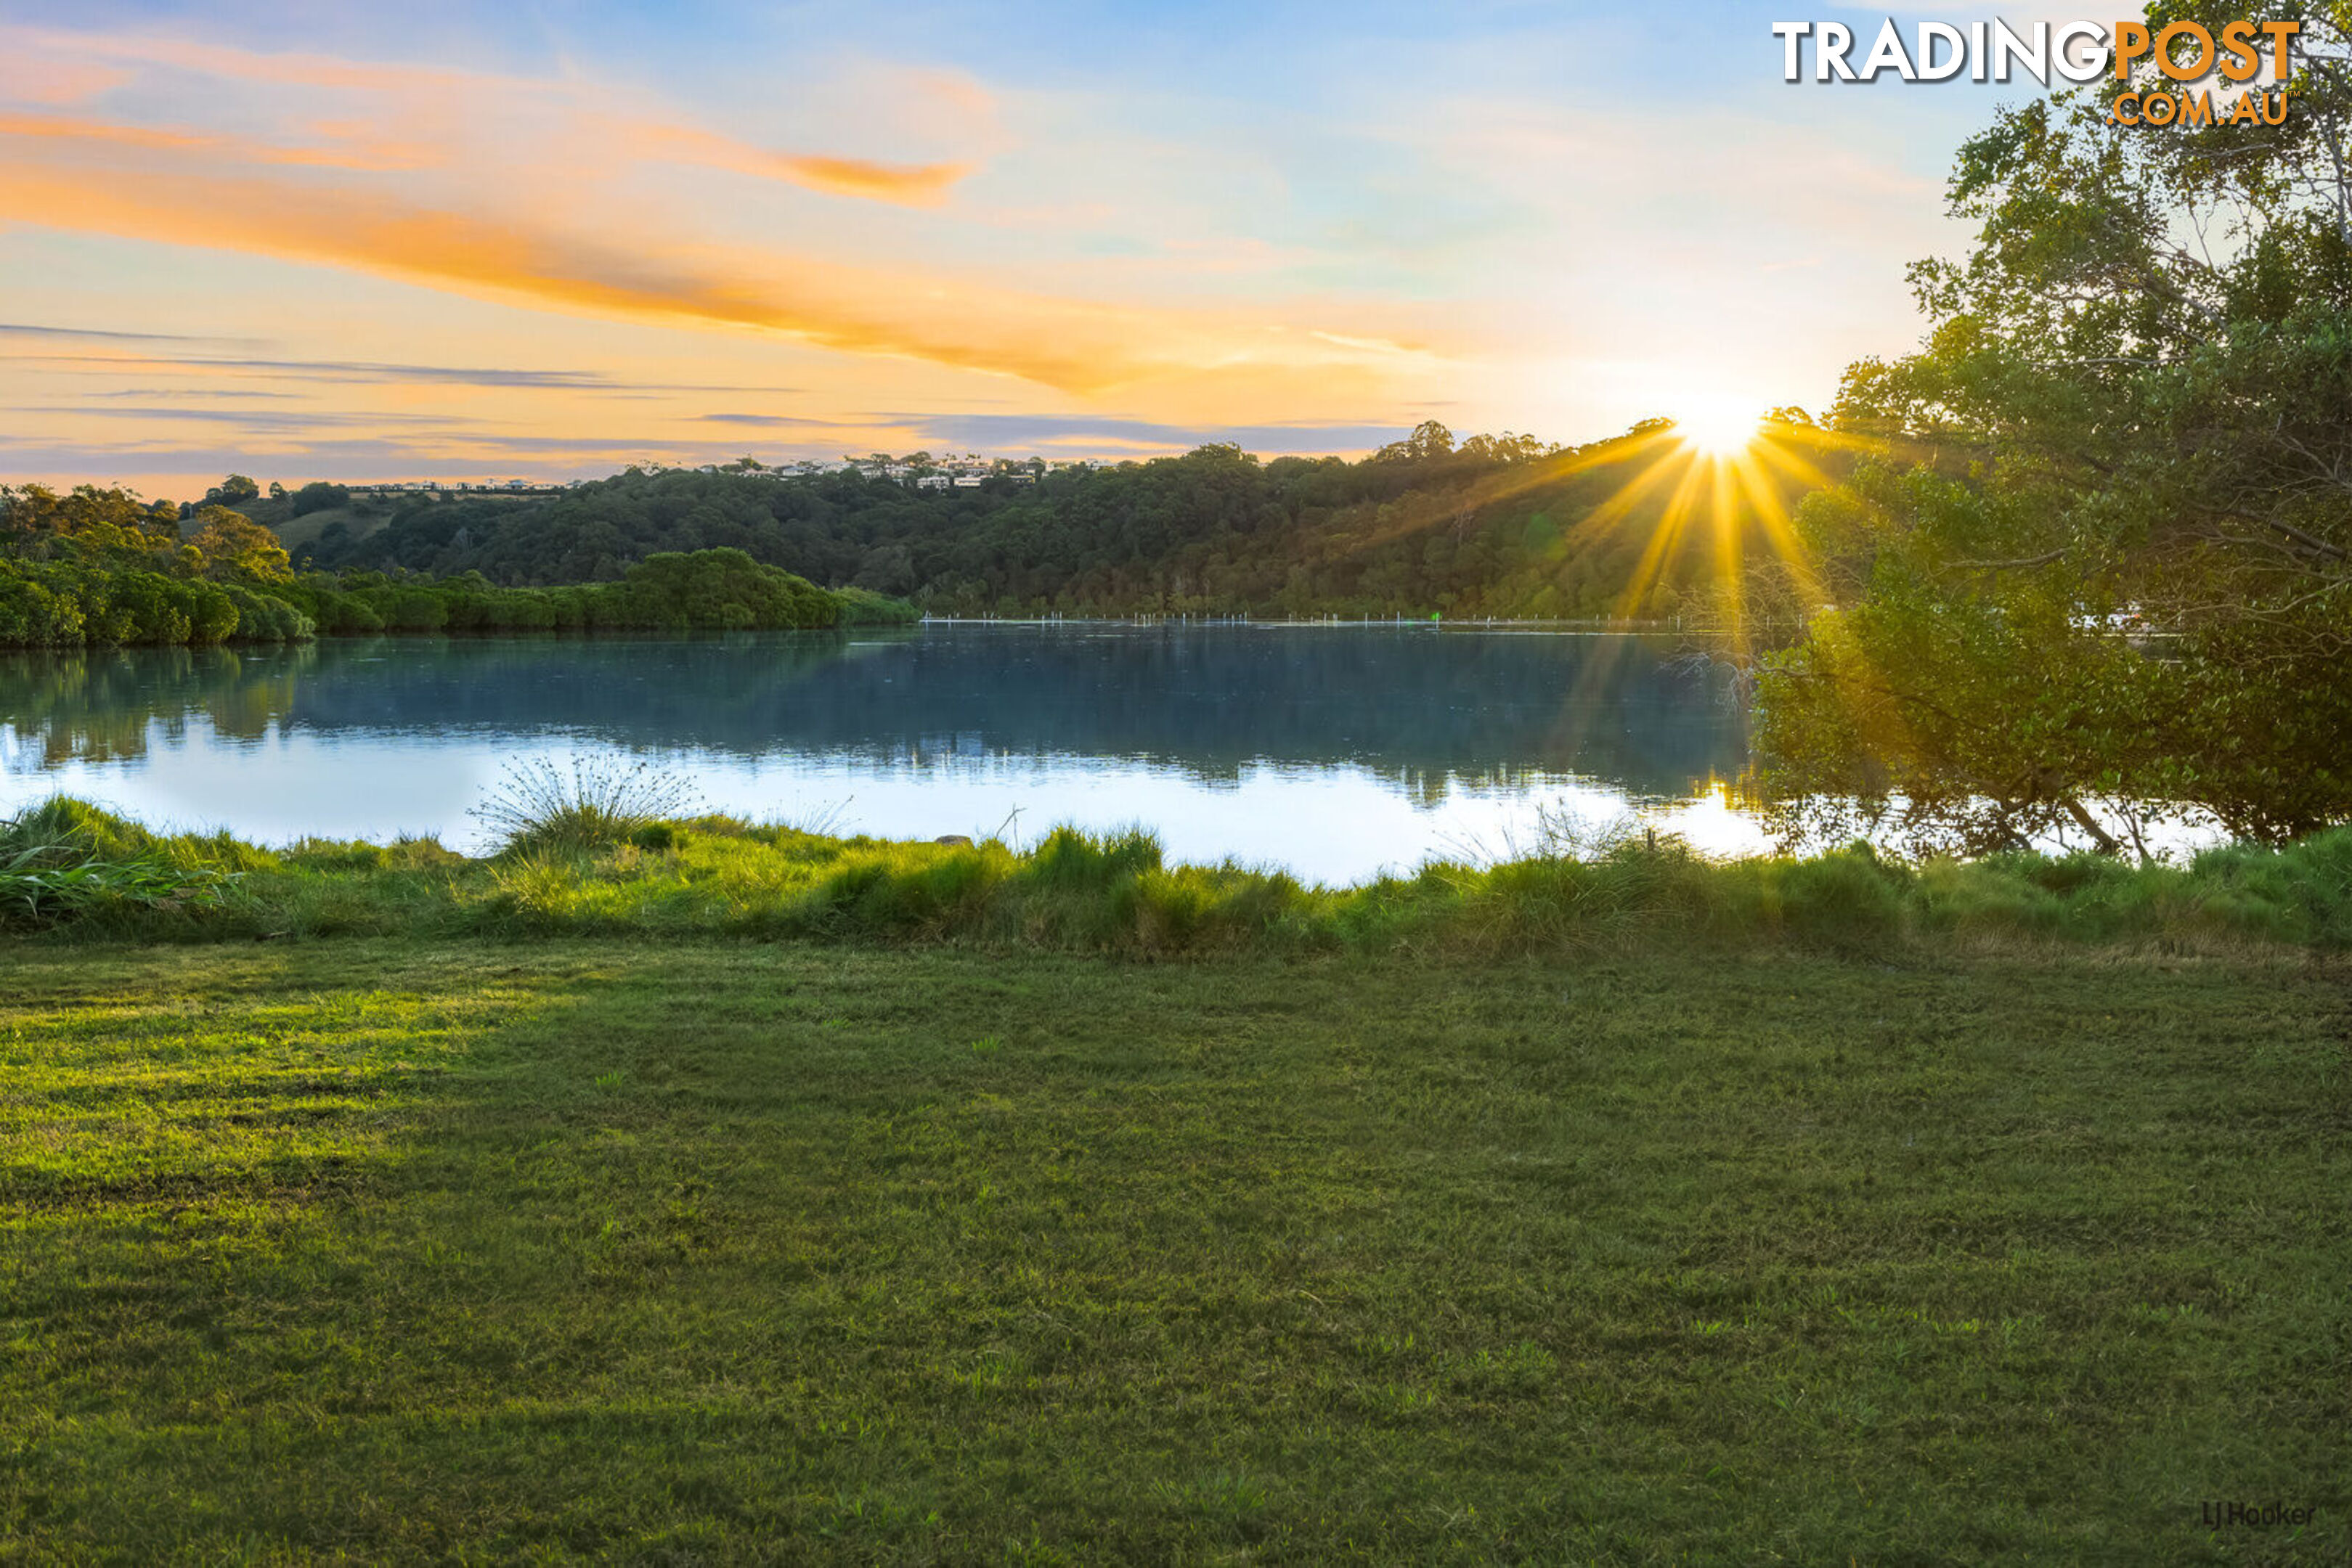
1019 430
28 77
215 394
1070 345
916 183
785 421
175 458
240 149
394 116
17 329
259 421
401 172
365 372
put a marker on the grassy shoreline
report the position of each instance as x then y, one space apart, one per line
387 1250
73 872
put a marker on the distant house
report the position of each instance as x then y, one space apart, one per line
931 481
969 481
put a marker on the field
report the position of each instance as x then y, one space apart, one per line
387 1250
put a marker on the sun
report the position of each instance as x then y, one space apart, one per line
1719 427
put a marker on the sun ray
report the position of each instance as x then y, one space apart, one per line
1663 539
1420 511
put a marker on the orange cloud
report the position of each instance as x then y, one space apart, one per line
505 188
60 128
27 78
922 184
1073 346
916 183
882 182
238 65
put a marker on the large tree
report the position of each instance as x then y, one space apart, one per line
2109 575
232 547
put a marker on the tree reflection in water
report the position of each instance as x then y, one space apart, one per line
1415 706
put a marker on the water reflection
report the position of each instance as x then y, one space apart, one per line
920 726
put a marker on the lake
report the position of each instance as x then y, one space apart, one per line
1333 751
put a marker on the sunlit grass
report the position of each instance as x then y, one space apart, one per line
1075 892
392 1251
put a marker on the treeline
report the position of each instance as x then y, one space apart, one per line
99 566
70 604
1634 526
701 591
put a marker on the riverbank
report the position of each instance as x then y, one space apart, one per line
71 872
387 1250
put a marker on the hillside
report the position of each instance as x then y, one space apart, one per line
1630 526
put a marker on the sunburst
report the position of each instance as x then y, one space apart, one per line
1720 432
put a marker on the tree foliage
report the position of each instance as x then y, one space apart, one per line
102 567
1503 526
2110 578
317 497
232 548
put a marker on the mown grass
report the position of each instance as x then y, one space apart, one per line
716 876
388 1250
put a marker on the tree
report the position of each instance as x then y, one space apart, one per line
232 548
1429 440
232 491
2102 570
319 496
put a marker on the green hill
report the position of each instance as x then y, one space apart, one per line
1626 526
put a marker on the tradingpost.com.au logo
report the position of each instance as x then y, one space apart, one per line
2174 60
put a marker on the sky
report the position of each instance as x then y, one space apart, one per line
545 240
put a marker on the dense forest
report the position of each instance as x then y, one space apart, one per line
1637 527
1505 526
102 567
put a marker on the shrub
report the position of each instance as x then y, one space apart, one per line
592 803
264 618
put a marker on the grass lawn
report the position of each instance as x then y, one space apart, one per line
708 1253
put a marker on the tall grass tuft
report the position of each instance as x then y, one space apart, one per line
592 804
63 860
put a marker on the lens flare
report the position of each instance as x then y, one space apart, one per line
1718 431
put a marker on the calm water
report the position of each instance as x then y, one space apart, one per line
1333 751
